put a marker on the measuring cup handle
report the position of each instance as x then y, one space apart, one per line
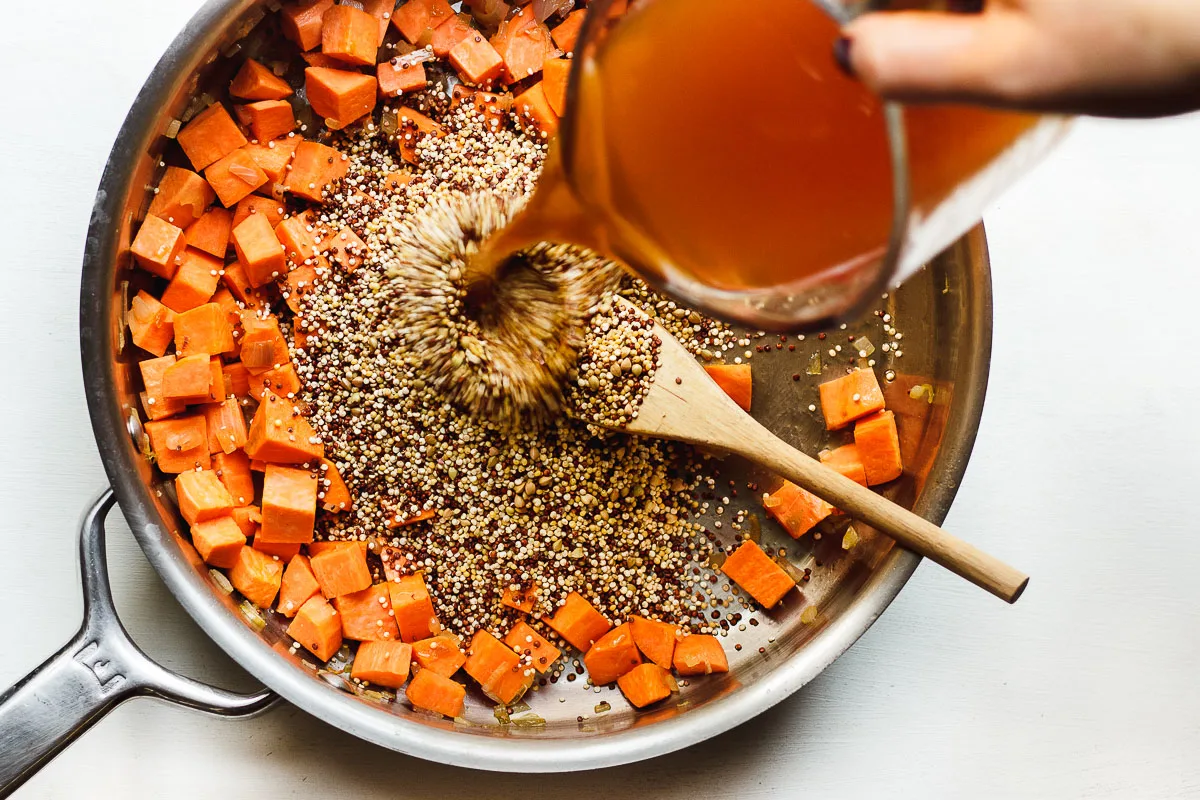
100 668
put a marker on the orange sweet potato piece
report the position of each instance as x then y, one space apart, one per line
201 496
400 521
237 379
350 35
263 345
179 444
181 197
412 126
655 639
735 380
317 628
753 570
254 81
395 80
157 406
272 158
210 233
381 12
416 18
314 168
414 610
612 655
566 33
299 584
432 692
218 541
332 491
850 397
450 33
234 177
188 380
440 653
524 44
879 447
296 235
268 207
345 248
151 324
644 685
280 381
522 598
577 621
301 22
555 75
534 113
845 460
476 60
493 106
226 428
281 550
257 576
534 649
497 669
158 247
210 136
338 95
269 119
259 250
797 510
289 505
204 329
341 570
700 654
365 615
246 517
234 471
194 282
383 663
316 548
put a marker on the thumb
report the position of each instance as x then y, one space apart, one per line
990 58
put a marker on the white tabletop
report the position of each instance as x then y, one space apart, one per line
1084 475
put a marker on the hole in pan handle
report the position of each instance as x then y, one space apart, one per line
96 671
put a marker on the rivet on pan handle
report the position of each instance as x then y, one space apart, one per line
99 669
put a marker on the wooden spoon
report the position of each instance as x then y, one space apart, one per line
683 403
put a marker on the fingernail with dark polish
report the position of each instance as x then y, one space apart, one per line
841 54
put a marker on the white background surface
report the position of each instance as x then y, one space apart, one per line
1085 475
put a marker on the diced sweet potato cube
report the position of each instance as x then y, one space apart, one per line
534 113
254 81
612 655
332 491
281 381
246 517
237 379
269 119
450 33
341 570
234 471
440 654
317 628
218 541
381 12
271 209
158 246
735 380
263 345
477 60
796 509
289 505
396 80
850 397
365 616
181 197
301 281
299 584
416 18
412 125
556 73
700 654
179 444
879 447
401 521
188 380
655 639
350 35
195 282
226 429
523 598
577 621
202 496
316 548
204 329
340 96
157 406
524 44
151 324
234 177
259 250
382 662
345 248
298 239
566 33
210 233
432 692
301 22
644 685
534 649
279 435
493 106
314 168
284 551
846 461
257 576
414 610
272 158
753 570
210 136
497 668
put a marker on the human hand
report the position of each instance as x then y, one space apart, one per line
1121 58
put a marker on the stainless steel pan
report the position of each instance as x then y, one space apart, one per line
944 311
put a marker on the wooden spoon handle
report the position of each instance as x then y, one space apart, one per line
912 531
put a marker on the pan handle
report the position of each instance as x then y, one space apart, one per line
98 670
